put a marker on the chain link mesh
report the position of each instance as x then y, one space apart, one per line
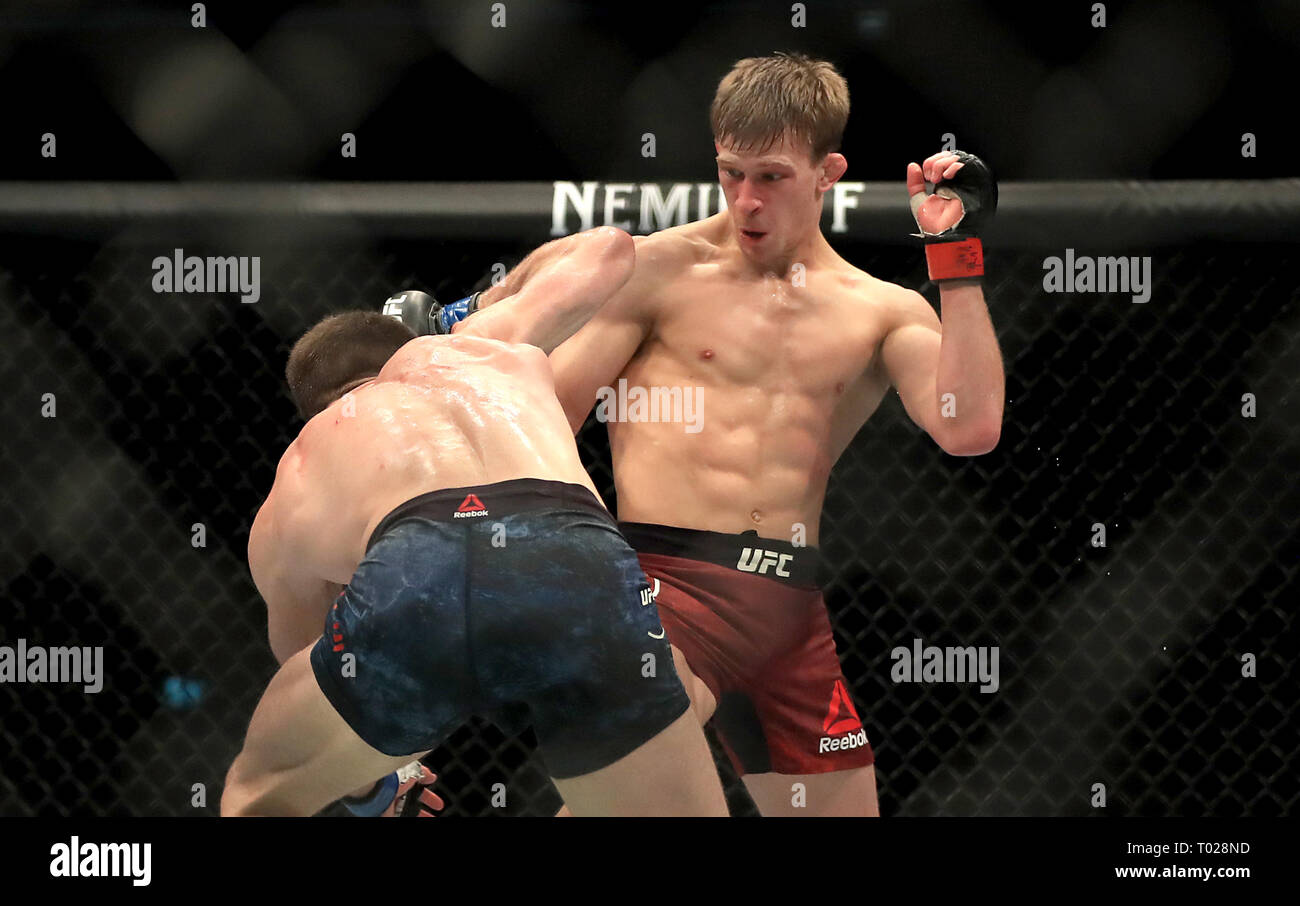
128 513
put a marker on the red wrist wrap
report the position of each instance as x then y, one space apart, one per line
953 260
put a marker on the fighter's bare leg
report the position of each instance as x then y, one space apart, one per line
839 794
299 754
672 774
703 704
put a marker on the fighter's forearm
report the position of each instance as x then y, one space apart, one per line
970 385
522 272
558 291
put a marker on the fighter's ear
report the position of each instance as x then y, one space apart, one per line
833 167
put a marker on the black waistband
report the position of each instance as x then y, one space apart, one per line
518 495
746 552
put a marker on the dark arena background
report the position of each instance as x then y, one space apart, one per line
1129 548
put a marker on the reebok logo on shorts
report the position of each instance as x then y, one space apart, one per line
469 508
841 719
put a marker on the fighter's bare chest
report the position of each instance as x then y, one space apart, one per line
766 337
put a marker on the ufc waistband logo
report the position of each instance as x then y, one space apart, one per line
648 595
757 560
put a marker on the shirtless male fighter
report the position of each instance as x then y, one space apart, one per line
792 348
434 518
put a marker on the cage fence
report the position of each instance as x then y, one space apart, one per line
1170 424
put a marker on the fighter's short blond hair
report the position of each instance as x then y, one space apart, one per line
763 98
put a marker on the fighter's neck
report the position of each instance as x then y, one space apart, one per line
812 252
357 384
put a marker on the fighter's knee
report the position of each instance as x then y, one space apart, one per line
236 798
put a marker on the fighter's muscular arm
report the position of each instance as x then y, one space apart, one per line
276 767
949 374
555 290
296 601
596 355
926 359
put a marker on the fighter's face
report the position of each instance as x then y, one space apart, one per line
775 196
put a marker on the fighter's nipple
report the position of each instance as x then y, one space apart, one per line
706 354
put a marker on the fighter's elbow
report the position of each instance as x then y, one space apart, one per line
615 249
282 647
288 633
612 242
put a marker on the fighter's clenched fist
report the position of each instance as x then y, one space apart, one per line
953 196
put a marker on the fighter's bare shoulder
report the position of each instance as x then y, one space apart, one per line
896 306
674 248
455 350
662 260
264 532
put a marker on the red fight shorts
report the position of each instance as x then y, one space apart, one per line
748 616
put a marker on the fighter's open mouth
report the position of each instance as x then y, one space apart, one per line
753 234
